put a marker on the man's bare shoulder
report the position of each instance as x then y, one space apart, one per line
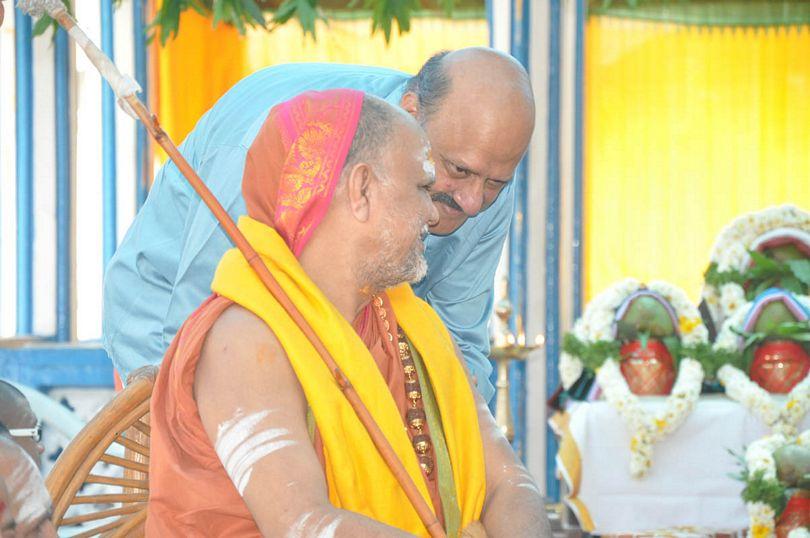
240 334
243 361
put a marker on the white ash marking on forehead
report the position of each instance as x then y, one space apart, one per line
427 162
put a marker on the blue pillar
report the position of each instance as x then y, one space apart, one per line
552 255
518 240
579 133
108 139
141 140
63 194
24 62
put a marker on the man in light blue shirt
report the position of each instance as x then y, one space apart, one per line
477 109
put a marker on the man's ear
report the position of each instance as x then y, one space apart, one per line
358 188
410 104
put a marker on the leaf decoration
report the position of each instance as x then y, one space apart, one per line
760 489
764 273
244 14
801 270
594 354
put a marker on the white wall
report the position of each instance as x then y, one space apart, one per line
8 211
86 175
535 322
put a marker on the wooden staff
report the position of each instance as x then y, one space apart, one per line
126 90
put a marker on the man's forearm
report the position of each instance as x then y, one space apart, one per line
516 508
331 521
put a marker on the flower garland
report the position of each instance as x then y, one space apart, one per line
739 387
648 429
596 325
730 253
768 498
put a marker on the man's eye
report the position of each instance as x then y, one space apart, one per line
457 170
495 184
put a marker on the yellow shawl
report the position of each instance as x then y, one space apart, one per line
357 477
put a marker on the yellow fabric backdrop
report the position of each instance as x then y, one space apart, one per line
194 70
202 63
686 128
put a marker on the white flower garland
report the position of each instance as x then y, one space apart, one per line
730 252
596 324
648 429
739 387
759 457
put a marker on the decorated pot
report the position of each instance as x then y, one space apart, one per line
650 370
779 365
795 515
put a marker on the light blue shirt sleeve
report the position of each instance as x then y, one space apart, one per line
460 280
163 268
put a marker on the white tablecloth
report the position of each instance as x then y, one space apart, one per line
689 483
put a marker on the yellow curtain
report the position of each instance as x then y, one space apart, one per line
349 41
194 70
686 128
202 63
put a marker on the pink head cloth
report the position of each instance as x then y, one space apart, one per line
296 159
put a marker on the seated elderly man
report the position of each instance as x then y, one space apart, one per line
251 434
25 506
24 502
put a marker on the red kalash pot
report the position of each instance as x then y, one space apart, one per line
795 515
779 365
649 371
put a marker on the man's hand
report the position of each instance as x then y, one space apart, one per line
514 506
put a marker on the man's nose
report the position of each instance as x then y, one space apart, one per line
470 197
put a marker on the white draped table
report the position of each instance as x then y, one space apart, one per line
689 483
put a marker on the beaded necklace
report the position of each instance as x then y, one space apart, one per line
415 415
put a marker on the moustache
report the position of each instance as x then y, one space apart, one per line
446 199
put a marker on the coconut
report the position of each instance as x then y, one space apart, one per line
792 464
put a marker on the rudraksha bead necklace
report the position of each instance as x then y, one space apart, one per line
415 415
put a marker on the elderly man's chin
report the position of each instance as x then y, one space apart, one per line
419 270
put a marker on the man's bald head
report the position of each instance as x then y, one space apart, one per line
477 107
16 413
470 71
